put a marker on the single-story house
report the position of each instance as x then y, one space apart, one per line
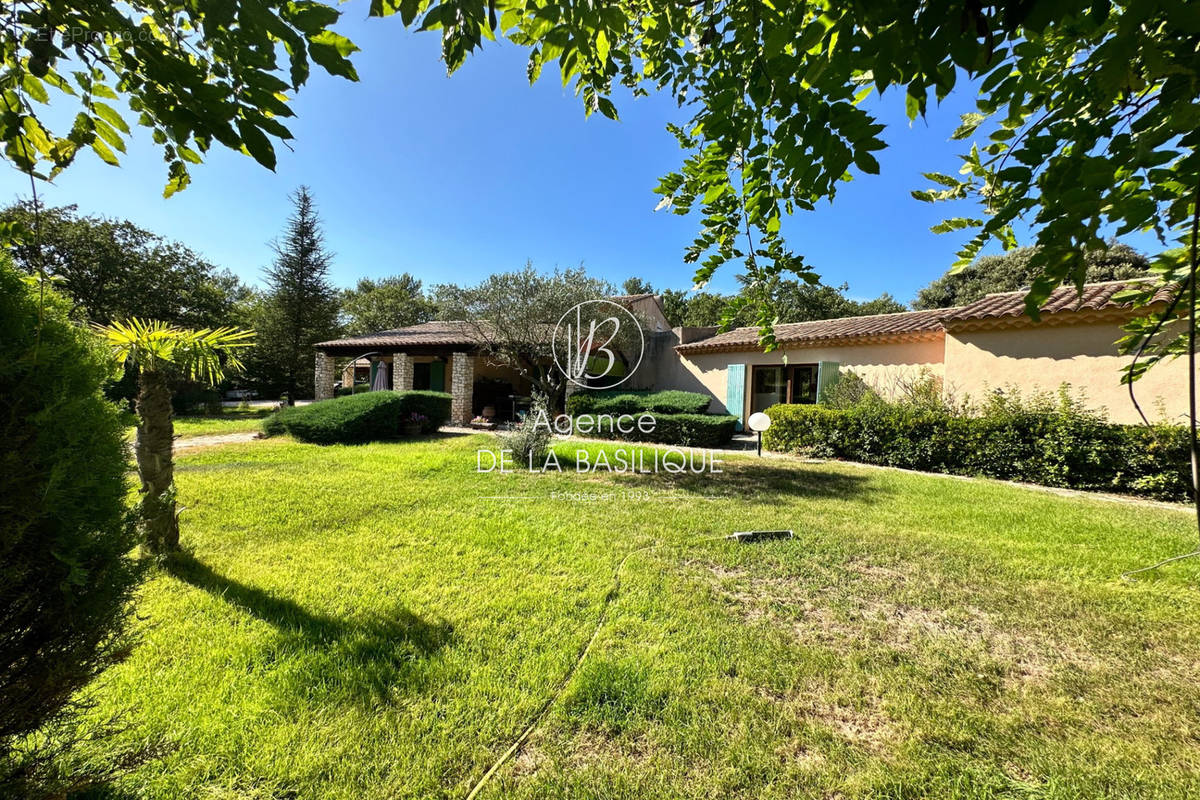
977 348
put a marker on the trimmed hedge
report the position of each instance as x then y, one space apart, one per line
358 388
614 402
360 417
685 430
1067 447
66 575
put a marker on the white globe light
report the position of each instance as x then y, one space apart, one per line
759 421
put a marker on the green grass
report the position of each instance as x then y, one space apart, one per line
363 622
230 420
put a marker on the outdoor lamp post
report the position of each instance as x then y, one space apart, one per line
758 423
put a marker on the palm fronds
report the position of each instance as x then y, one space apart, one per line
204 355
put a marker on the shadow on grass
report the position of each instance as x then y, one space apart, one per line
742 479
363 659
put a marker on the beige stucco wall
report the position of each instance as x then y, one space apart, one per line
1042 357
881 365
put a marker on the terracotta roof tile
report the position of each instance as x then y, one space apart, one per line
425 334
876 325
1095 297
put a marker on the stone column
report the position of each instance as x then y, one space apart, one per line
402 372
324 375
462 384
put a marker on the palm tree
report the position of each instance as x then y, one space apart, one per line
159 351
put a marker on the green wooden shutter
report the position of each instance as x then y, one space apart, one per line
437 376
735 391
827 378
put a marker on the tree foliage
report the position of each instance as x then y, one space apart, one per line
301 306
1086 111
195 74
1015 270
65 574
515 313
385 304
633 286
112 269
793 301
1086 115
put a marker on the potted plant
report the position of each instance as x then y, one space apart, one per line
415 423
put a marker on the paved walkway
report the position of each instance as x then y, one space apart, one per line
192 442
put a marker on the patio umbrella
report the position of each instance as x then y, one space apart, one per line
379 381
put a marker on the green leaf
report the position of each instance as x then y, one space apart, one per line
110 115
34 88
602 48
867 163
606 107
913 106
970 122
102 150
178 179
329 50
257 144
715 192
311 18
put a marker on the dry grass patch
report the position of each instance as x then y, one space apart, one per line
864 606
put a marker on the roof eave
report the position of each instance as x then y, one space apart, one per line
809 342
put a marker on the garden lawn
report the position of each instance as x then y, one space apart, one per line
230 420
381 622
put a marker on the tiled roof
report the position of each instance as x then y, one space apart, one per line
1095 297
876 325
424 335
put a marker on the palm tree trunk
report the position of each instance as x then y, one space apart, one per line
156 466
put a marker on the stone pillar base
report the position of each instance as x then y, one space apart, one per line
462 387
323 377
402 372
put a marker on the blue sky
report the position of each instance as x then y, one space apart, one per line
453 178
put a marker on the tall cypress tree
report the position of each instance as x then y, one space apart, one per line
301 306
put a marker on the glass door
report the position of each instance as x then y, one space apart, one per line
803 384
769 387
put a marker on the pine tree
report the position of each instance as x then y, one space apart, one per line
301 306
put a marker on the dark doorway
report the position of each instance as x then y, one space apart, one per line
429 376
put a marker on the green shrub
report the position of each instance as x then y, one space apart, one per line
684 430
528 440
848 390
634 402
195 398
358 388
1038 441
674 401
65 533
586 401
360 418
434 406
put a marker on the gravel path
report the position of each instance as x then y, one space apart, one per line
191 442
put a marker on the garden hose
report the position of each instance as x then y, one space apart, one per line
583 653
